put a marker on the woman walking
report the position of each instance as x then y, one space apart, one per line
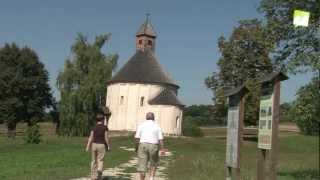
99 143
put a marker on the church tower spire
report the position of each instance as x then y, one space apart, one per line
146 36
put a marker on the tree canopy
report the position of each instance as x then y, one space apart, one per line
24 89
82 84
244 60
306 108
298 48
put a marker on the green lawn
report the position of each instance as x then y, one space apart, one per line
54 159
194 158
203 158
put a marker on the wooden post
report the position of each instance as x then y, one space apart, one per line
240 136
261 164
275 129
268 155
229 173
235 132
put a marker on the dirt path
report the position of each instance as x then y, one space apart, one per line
127 171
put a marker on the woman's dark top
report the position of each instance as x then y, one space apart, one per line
99 134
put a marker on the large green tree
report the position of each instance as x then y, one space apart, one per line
24 89
306 108
244 60
82 84
298 48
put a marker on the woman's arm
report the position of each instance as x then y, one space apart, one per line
107 139
90 139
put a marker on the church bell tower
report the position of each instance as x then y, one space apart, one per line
146 36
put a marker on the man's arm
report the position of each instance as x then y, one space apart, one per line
107 139
90 139
136 144
161 144
161 141
137 139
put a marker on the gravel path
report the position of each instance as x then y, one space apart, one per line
127 171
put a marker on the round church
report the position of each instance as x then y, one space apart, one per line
142 85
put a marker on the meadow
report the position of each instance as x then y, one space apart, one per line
193 159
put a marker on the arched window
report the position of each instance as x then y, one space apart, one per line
141 101
177 122
140 41
150 42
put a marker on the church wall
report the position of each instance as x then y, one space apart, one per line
124 102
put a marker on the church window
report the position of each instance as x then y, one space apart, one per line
121 100
150 42
141 101
140 41
177 121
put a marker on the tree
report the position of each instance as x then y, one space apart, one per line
298 48
306 110
285 109
205 115
82 85
24 89
245 59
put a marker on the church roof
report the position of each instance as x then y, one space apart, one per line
146 29
166 97
143 67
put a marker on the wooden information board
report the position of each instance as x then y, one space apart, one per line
265 121
232 133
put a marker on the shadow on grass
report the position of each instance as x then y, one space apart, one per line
311 174
116 178
250 138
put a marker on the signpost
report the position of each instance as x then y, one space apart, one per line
301 18
268 125
234 130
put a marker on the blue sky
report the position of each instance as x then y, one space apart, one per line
187 34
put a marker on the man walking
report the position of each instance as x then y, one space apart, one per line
148 137
99 143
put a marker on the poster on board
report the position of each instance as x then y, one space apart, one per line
265 122
233 134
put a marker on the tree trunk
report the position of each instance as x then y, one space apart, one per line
11 130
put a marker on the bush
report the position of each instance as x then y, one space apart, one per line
190 128
33 135
207 115
306 110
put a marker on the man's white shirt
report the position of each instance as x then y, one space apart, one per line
149 132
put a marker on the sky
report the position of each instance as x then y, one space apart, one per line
186 46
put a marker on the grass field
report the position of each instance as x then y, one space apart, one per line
194 158
54 159
203 159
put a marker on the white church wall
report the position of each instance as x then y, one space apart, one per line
124 102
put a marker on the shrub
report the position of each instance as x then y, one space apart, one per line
190 127
306 110
33 135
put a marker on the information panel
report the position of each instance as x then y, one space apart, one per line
233 133
265 122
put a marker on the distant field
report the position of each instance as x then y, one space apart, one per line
46 129
287 128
